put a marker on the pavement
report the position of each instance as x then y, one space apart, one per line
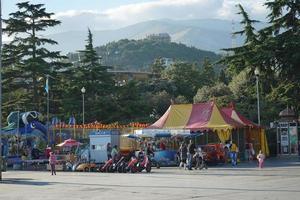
278 180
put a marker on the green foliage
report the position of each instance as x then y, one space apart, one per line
140 54
181 100
275 51
157 67
98 83
186 78
220 92
25 58
207 73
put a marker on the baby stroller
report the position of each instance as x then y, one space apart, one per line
200 159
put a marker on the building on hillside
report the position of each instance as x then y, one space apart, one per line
168 61
162 37
122 77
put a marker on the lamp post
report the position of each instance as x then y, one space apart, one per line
257 73
83 92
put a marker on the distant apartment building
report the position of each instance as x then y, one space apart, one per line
121 77
163 37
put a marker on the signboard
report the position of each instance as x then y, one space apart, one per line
161 132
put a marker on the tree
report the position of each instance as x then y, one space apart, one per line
92 75
275 51
26 56
220 92
157 67
222 78
186 78
207 73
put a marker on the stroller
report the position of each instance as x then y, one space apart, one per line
200 160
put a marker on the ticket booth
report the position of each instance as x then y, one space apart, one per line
98 143
287 133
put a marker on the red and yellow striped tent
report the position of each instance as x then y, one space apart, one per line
201 116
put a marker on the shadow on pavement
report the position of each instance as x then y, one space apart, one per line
23 181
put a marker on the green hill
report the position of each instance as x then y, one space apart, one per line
139 54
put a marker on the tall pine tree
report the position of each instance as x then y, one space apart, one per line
98 83
26 58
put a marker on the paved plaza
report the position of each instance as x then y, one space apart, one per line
279 180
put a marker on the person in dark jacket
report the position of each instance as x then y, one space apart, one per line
183 155
191 152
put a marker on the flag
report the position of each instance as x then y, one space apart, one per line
72 120
47 85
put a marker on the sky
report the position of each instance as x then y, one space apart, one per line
114 14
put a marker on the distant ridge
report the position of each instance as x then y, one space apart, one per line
206 34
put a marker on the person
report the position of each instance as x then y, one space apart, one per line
199 158
183 155
149 150
191 152
108 150
47 152
233 153
162 146
35 153
226 153
114 152
260 157
52 162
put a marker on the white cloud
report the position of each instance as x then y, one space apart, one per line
158 9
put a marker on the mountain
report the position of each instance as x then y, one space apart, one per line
207 34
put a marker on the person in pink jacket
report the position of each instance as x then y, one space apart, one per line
52 162
260 157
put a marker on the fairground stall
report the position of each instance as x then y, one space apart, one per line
212 125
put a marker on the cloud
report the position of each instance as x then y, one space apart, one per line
157 9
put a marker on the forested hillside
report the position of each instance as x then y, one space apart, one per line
140 54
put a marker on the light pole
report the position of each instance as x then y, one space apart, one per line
83 92
257 73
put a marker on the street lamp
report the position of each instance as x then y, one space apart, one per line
83 91
257 73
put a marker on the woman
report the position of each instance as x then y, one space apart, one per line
52 162
183 155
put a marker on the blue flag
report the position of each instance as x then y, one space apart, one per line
47 86
72 120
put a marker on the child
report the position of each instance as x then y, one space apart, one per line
52 162
260 157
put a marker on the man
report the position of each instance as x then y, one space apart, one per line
191 152
108 150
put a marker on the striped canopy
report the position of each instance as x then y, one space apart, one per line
201 116
232 113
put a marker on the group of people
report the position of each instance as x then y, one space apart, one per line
189 152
